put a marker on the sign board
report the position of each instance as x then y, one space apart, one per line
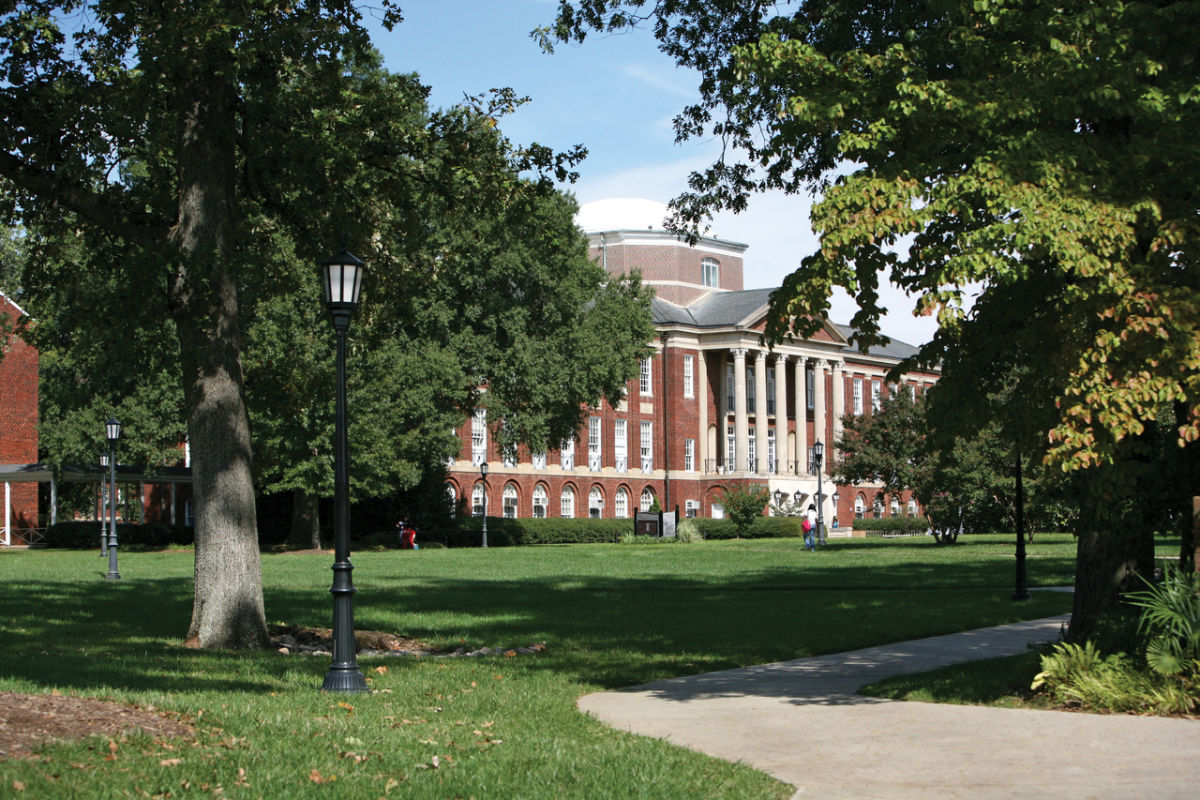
655 523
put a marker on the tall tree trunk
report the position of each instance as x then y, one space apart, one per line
1107 565
306 522
227 610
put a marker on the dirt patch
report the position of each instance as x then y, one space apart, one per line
322 639
28 720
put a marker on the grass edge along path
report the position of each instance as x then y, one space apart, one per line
610 615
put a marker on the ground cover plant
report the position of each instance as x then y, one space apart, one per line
609 615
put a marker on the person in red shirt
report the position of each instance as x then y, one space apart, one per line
408 535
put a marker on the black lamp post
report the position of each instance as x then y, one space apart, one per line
779 499
112 432
483 469
104 504
818 457
341 275
1021 592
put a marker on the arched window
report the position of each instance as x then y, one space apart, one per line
622 504
595 503
877 506
541 502
860 506
647 498
477 500
452 497
510 501
895 506
567 503
710 272
912 507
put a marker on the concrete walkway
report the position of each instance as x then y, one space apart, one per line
802 722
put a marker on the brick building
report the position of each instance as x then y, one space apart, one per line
711 407
18 421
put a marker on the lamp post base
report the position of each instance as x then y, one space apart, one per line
345 680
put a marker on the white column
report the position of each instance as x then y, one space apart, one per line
801 415
702 398
839 405
781 414
820 431
7 513
740 421
760 411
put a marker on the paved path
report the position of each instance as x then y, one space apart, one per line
802 722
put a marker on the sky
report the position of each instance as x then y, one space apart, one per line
617 96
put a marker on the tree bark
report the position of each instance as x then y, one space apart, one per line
1107 565
306 522
227 610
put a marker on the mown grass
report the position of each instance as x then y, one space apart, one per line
610 616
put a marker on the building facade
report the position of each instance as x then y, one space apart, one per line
711 408
18 422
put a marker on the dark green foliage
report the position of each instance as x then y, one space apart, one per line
744 504
466 531
759 528
86 535
892 524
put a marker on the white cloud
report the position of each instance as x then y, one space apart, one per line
665 78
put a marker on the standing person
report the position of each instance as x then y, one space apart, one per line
408 535
810 527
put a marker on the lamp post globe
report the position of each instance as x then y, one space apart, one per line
341 278
112 432
483 471
798 497
779 498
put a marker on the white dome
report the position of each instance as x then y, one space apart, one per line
621 214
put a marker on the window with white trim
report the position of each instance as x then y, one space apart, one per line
566 453
752 452
730 447
479 437
594 444
751 393
689 455
770 391
452 498
860 506
895 506
647 499
876 396
621 504
509 500
647 444
567 503
912 507
689 376
718 511
856 389
541 502
645 382
810 380
877 506
621 444
730 392
771 465
595 503
691 509
710 272
538 460
477 508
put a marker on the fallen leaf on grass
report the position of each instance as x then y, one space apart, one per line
317 777
380 670
170 762
18 786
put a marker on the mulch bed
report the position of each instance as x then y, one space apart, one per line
28 720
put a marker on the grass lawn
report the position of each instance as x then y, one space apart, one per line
610 616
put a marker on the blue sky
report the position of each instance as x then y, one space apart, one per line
616 95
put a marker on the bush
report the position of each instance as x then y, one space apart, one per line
892 525
502 532
86 535
1077 675
761 528
687 531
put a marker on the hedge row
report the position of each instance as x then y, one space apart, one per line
86 535
892 524
761 528
467 531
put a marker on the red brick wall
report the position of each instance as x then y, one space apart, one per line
19 419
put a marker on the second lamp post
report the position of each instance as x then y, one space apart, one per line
112 432
818 457
342 277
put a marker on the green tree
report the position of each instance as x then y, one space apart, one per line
1034 152
744 504
887 447
204 155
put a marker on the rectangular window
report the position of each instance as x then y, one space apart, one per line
566 454
858 396
689 455
810 379
751 394
771 450
730 448
645 383
689 378
510 504
691 509
594 444
752 453
876 396
621 444
770 391
710 270
538 460
479 437
730 396
647 446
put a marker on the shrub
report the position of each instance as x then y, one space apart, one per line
1077 675
892 525
688 532
1171 622
86 535
761 528
467 531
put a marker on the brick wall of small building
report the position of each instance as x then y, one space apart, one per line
19 419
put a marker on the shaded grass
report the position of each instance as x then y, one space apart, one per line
610 615
1002 682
